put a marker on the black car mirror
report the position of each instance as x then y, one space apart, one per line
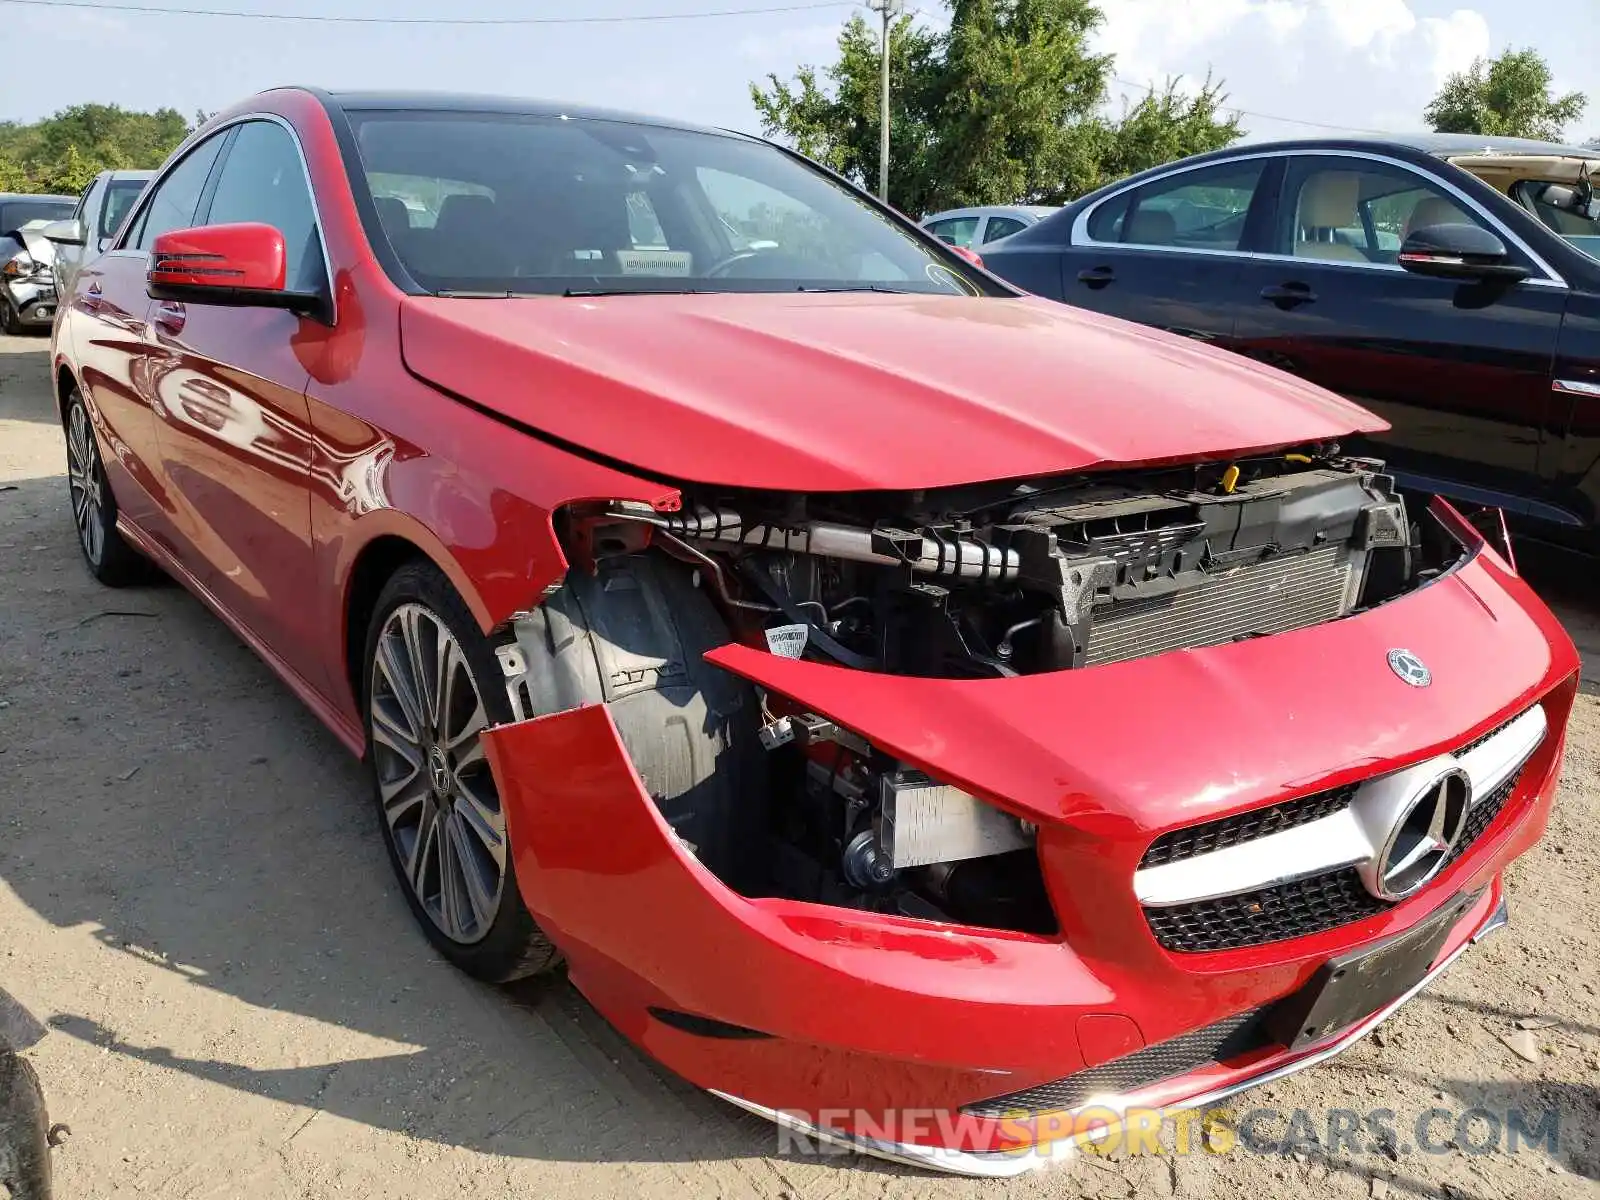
1463 252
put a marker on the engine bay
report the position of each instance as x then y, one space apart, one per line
991 581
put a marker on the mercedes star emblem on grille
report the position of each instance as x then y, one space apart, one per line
1410 668
1420 842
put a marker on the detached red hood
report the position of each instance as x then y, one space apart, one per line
838 392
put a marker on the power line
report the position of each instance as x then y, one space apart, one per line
111 6
620 19
1260 116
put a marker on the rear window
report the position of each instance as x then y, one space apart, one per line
14 214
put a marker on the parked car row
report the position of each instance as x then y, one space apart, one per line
732 590
1446 283
44 241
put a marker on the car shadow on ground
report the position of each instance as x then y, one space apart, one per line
188 810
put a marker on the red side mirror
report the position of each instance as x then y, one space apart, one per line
220 264
967 253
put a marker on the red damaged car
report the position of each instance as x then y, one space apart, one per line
915 711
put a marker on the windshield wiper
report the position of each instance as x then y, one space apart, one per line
860 287
638 292
451 294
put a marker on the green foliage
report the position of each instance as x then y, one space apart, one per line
1007 106
64 152
1508 96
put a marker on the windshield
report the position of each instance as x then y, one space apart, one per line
494 204
1573 212
120 196
14 214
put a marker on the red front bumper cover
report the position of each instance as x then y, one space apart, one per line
838 1013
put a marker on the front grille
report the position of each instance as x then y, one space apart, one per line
1245 827
1271 596
1202 1047
1273 914
1300 908
1481 815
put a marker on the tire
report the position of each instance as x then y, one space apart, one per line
438 809
94 508
633 636
10 318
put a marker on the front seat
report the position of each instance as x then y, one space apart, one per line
1434 210
1328 202
1152 227
465 242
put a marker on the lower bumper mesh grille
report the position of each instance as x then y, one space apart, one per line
1300 908
1165 1060
1273 596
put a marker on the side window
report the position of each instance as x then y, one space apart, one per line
756 216
999 227
173 204
1355 210
263 180
1204 209
121 195
958 231
1105 223
83 200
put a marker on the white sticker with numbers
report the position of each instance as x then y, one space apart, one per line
787 641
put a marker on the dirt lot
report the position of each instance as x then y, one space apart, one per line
233 1001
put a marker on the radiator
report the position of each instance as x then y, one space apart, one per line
1265 597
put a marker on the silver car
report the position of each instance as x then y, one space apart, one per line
94 222
970 228
27 287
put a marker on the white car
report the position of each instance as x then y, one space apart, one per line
98 216
973 227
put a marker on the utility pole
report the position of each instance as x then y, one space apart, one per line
888 10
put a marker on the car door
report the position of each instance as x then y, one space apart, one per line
107 321
228 392
1461 370
68 259
1169 252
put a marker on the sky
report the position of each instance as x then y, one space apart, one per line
1293 65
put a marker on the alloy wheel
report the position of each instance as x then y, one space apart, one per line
85 483
440 804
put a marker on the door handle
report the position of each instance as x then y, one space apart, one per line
1289 295
1096 277
170 317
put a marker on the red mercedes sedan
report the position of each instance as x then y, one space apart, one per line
935 718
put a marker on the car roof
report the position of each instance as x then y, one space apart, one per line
459 102
993 210
1441 145
115 176
35 196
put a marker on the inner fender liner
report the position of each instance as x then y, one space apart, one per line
633 637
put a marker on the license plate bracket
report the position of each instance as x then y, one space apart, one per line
1354 986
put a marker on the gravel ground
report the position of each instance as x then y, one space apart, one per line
232 1000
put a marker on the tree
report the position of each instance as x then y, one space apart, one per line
62 153
1169 124
1006 106
1508 96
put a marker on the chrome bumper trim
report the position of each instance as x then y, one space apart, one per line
1346 838
1006 1164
